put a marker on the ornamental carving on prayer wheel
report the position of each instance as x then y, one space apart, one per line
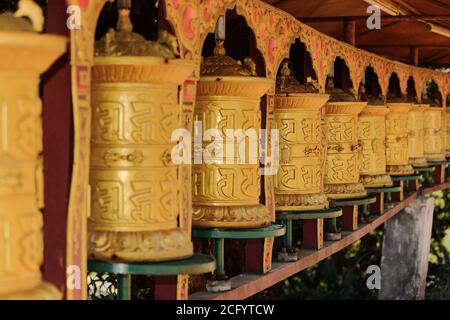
343 151
298 116
135 186
24 55
416 136
447 132
226 187
372 136
397 154
433 124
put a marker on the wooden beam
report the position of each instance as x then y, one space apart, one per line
383 18
439 57
414 56
383 26
349 32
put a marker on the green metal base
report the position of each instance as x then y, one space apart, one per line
220 282
303 215
384 190
273 230
354 202
289 253
407 177
197 264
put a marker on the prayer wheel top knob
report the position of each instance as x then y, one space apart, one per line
125 42
15 22
220 64
337 94
287 83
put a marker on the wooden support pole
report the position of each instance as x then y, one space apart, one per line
349 32
404 261
414 56
57 153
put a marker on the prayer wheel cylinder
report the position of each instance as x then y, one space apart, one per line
299 118
299 182
343 152
416 136
372 136
23 57
447 132
397 154
227 187
434 147
135 186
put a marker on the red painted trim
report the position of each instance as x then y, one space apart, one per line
57 152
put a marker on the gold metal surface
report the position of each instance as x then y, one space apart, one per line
447 132
372 136
135 187
434 133
342 160
299 119
416 136
224 194
23 57
397 154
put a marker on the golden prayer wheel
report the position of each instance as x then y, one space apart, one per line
397 154
226 188
434 146
342 160
447 132
24 55
299 119
416 136
372 136
135 186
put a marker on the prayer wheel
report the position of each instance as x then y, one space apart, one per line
397 153
372 136
227 181
434 146
447 132
341 178
416 136
24 55
135 185
299 119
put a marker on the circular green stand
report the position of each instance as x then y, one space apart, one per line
219 236
387 193
427 174
353 209
408 179
197 264
289 252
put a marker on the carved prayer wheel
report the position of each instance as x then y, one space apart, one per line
372 136
434 134
342 161
447 132
24 55
397 154
299 119
416 136
135 186
226 186
343 152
